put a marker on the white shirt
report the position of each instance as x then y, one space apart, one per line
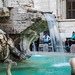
46 38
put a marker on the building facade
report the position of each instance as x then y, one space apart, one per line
14 18
64 10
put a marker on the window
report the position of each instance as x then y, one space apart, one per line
70 9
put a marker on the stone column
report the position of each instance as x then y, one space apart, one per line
56 8
61 4
59 9
63 9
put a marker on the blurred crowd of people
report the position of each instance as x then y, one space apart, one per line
69 42
46 40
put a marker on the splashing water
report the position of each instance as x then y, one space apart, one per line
54 33
61 64
34 47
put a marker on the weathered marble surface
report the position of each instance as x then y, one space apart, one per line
20 48
19 20
9 50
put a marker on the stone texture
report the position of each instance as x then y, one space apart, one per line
66 27
19 18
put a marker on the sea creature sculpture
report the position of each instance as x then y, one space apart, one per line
19 49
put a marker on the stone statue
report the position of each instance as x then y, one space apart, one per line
7 48
9 53
72 63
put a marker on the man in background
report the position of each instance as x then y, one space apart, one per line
46 39
73 37
67 45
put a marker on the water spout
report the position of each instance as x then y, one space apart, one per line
54 33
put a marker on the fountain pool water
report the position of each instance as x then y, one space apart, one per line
42 64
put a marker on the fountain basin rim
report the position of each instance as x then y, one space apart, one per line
53 53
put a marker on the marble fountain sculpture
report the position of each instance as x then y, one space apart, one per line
72 63
12 52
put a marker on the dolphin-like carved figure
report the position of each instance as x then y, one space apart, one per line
19 49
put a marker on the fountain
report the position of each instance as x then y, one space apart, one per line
14 53
18 51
